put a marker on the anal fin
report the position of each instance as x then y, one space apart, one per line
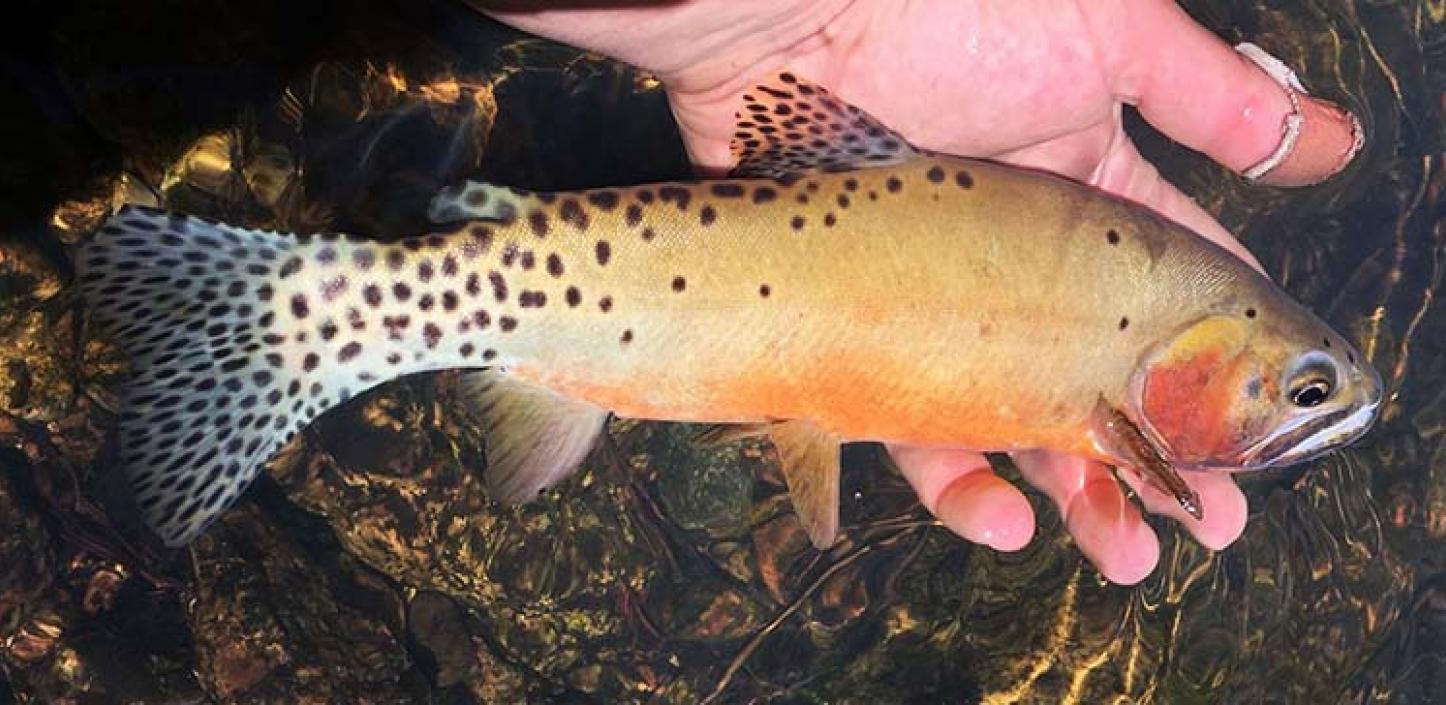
810 460
534 436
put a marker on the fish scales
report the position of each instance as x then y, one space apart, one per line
926 299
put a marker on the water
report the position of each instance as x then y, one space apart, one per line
371 567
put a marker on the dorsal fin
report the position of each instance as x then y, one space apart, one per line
788 125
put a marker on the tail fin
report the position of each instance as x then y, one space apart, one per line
218 386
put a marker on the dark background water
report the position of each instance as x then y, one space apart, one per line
370 566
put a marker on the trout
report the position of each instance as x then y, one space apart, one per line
840 285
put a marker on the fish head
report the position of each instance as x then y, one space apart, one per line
1253 391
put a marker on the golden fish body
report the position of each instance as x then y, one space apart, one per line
846 287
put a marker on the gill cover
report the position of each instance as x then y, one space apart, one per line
1207 395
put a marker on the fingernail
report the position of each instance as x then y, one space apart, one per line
1330 137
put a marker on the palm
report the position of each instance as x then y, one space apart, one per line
1032 82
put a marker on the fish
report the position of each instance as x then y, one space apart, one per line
839 285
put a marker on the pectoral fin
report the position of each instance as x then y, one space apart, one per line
1121 437
810 460
534 436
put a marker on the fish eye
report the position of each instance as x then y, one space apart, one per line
1312 381
1311 393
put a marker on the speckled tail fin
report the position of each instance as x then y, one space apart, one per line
534 436
788 125
216 386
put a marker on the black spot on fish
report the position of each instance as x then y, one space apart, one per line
481 319
466 350
395 325
634 215
679 283
605 304
449 300
299 308
333 287
431 335
843 201
850 184
474 284
606 200
537 220
328 330
478 242
707 215
645 196
675 194
290 267
1250 313
604 251
348 351
893 184
1112 237
573 214
401 291
765 290
764 194
935 174
372 294
627 336
449 266
573 296
796 223
528 260
425 303
554 265
499 286
310 362
532 299
425 271
507 324
829 220
1124 323
963 178
396 259
648 234
727 189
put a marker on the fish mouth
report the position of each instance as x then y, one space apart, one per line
1311 437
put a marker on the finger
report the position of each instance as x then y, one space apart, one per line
1223 503
959 488
1108 529
1204 94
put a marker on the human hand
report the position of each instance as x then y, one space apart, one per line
1038 83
